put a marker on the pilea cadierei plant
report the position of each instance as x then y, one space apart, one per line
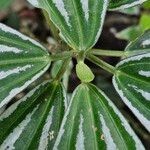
45 119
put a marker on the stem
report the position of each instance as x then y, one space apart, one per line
62 69
61 56
81 56
102 64
107 53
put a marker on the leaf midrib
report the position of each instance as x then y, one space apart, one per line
105 108
24 60
73 124
23 111
21 43
131 64
44 113
130 76
78 24
69 38
135 101
19 81
92 118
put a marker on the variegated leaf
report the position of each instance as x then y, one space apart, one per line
22 61
122 4
140 45
34 121
92 122
132 82
79 21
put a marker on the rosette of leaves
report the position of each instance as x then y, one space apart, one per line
42 119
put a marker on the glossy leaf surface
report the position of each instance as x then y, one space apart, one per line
22 61
121 4
140 45
92 122
33 122
79 21
132 82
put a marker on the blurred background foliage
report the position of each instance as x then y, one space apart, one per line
120 28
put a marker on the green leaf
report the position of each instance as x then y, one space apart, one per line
145 22
34 121
84 73
132 82
4 4
130 33
22 61
146 5
79 21
133 32
92 122
56 67
140 45
131 11
122 4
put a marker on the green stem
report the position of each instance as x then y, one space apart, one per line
101 64
62 69
61 56
81 56
108 53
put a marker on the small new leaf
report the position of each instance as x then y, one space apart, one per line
22 61
84 73
92 122
33 122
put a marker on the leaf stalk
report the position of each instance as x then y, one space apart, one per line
62 69
112 53
102 64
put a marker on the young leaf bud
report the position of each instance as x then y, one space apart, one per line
84 73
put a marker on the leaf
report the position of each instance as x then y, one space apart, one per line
92 122
33 122
56 67
130 33
140 45
22 61
132 82
79 21
122 4
4 4
146 5
133 32
81 69
145 22
131 11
